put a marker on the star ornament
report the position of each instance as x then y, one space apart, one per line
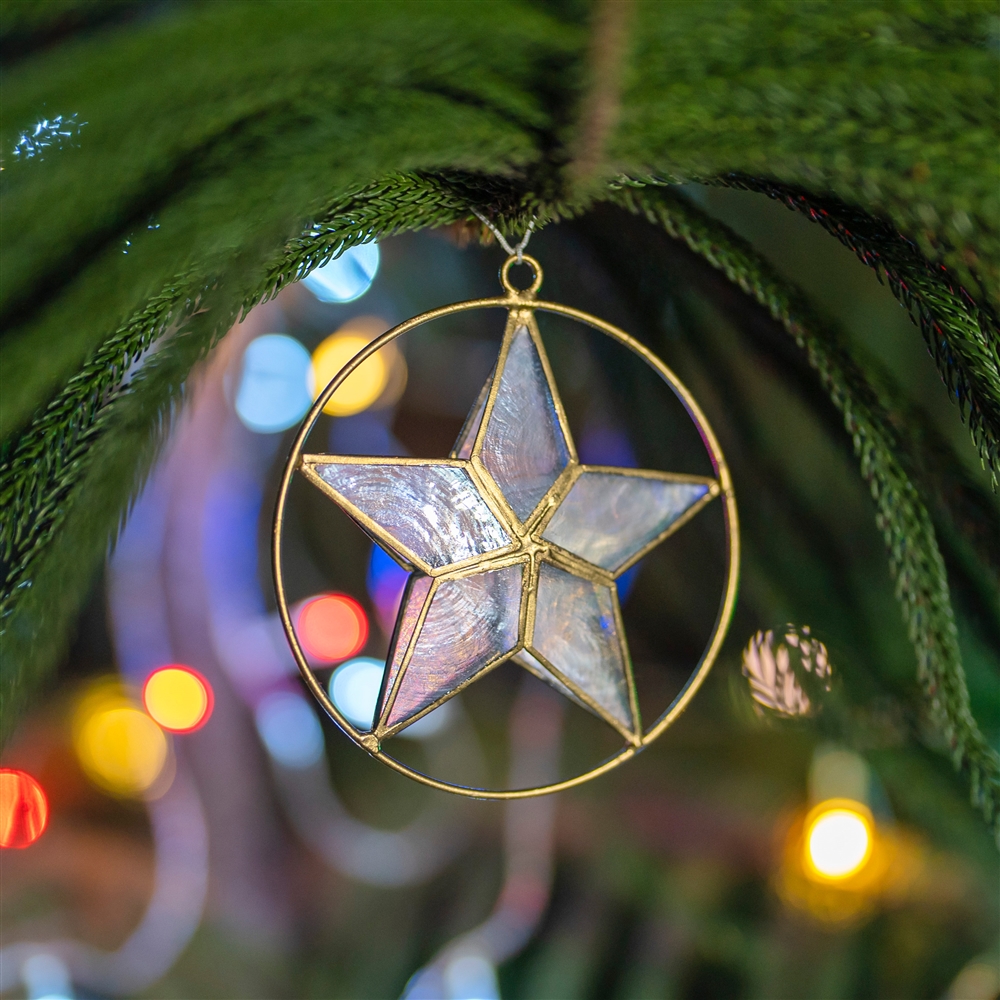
514 547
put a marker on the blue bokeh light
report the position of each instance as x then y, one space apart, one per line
386 581
275 391
289 729
354 688
347 277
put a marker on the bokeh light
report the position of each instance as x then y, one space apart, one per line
46 977
347 277
24 809
354 689
178 698
386 581
332 627
276 388
838 839
365 384
288 727
120 748
979 980
471 977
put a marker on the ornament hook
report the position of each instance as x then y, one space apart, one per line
512 290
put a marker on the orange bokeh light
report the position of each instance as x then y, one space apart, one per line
332 627
178 698
24 809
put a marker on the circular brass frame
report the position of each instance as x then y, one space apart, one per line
518 299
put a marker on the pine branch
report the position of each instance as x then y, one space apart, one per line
962 335
101 432
44 464
902 517
890 107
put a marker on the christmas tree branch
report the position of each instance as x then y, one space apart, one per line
962 334
914 556
67 477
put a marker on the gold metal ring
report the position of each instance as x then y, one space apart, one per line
521 293
520 299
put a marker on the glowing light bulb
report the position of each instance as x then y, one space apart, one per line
367 382
120 748
276 384
347 277
24 809
838 840
178 698
332 627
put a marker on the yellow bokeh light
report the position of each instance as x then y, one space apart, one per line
120 748
838 840
366 383
176 698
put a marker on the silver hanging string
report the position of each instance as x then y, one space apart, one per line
517 251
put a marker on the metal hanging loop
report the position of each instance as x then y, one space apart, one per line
512 290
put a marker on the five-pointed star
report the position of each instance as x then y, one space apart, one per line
514 547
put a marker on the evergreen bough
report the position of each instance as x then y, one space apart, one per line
217 152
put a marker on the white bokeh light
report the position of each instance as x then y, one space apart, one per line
471 977
838 842
347 277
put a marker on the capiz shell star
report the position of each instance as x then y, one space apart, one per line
515 547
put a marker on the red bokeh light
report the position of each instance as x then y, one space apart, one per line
332 627
24 809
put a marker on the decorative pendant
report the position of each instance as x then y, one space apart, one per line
514 546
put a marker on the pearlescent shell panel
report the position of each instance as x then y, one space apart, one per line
471 622
608 517
576 630
411 605
435 511
524 448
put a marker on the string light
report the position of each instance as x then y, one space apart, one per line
288 727
46 977
386 581
354 689
120 748
275 389
368 381
347 277
838 839
178 698
332 627
24 809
